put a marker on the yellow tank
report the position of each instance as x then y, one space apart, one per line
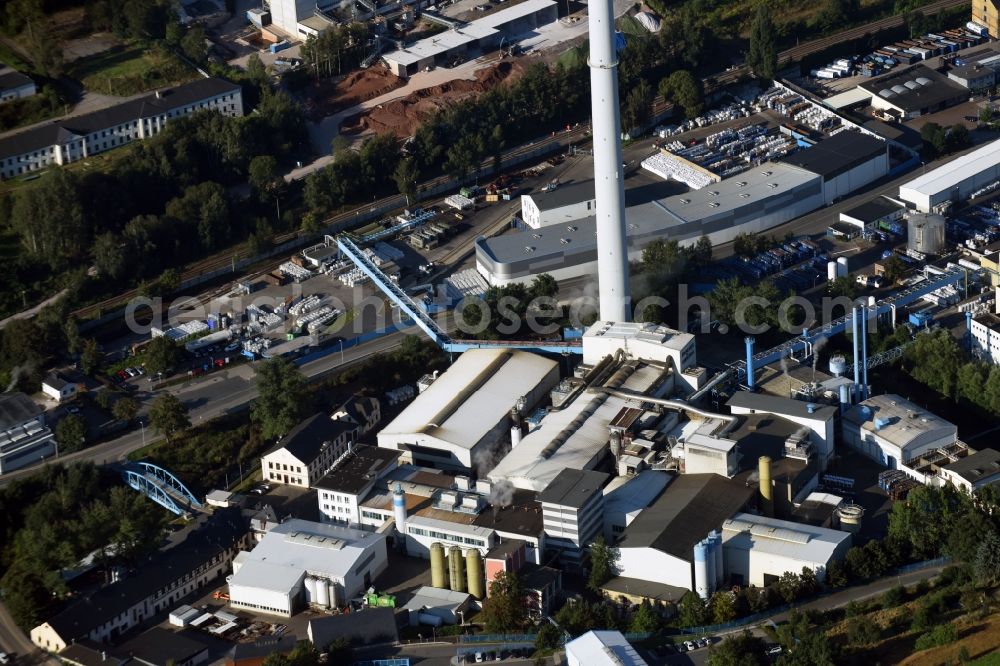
766 487
456 566
474 567
439 567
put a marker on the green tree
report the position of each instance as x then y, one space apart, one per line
691 611
934 360
861 632
194 44
638 106
263 174
160 355
958 138
504 610
986 114
684 90
108 255
895 270
942 634
603 564
644 619
71 433
406 175
169 415
789 587
548 637
893 597
723 604
742 649
934 139
339 652
125 409
49 218
762 58
987 559
282 399
90 357
804 644
544 285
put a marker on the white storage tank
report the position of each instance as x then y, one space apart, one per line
334 600
925 233
310 590
322 594
719 573
831 271
842 267
701 569
710 562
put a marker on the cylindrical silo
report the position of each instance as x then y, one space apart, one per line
322 594
766 490
515 435
474 568
399 509
842 267
850 516
845 397
720 575
926 233
710 564
831 271
310 590
439 568
838 365
701 569
456 565
332 588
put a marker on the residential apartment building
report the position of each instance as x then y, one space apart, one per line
573 512
24 437
985 331
306 454
71 139
159 584
15 85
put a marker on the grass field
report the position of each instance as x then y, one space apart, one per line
130 69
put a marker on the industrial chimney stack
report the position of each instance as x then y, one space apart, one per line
609 185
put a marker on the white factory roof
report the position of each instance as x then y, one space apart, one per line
449 526
472 396
627 494
950 175
899 421
603 648
434 597
525 466
746 531
638 333
299 546
466 34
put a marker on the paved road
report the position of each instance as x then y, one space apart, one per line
436 654
32 311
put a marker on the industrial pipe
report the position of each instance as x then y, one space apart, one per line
857 353
609 177
864 351
730 420
749 341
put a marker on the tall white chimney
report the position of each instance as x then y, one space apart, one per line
609 185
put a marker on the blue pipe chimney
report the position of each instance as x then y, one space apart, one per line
857 354
864 351
749 340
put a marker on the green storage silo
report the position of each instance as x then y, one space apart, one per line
456 566
474 567
439 567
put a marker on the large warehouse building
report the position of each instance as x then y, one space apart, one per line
892 430
754 201
471 38
914 91
955 181
460 419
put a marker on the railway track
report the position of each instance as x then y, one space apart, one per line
218 262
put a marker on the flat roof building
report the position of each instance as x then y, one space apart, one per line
24 437
566 203
300 562
846 161
819 419
463 419
602 648
873 213
910 92
659 545
757 550
892 430
15 85
973 472
573 512
626 497
985 331
350 480
955 181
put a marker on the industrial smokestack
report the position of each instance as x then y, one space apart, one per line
749 343
609 185
864 351
857 354
766 489
399 509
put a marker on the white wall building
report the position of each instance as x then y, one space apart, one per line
464 415
305 454
72 139
892 430
602 648
758 550
58 388
24 437
573 512
649 342
659 545
954 181
820 419
985 331
350 480
626 497
422 531
565 204
847 161
301 562
975 471
15 85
